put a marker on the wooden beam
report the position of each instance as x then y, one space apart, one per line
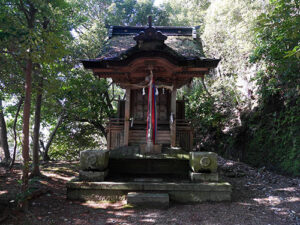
173 114
194 69
127 117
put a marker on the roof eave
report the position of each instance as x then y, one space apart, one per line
113 62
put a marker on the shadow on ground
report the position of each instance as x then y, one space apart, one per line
259 197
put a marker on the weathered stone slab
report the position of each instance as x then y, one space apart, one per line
157 200
178 192
146 179
203 161
177 196
151 186
204 177
94 160
96 195
199 196
92 175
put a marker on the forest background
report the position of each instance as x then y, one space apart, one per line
247 109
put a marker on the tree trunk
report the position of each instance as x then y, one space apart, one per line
36 130
3 137
46 156
204 86
15 132
25 141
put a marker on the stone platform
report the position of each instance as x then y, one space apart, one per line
140 176
179 191
131 160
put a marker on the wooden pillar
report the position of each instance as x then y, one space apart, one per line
173 119
127 117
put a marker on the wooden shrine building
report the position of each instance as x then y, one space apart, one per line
151 64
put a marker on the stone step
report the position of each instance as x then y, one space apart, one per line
148 199
148 179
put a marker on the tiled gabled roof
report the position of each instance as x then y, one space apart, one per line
181 39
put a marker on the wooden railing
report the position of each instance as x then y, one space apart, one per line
115 134
184 134
116 121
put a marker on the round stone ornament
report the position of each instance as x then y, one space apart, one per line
94 160
203 162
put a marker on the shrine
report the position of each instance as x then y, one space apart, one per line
149 141
151 64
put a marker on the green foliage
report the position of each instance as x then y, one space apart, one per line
44 38
273 134
212 113
278 37
135 12
20 197
272 140
265 92
72 138
87 98
186 12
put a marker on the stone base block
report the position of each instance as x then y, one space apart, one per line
204 177
94 160
92 175
203 162
157 200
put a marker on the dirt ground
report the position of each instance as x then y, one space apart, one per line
259 197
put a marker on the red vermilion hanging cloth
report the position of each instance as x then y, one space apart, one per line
151 115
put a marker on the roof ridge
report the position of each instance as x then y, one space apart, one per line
168 31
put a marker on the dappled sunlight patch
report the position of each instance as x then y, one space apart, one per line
275 200
229 164
292 199
44 182
127 206
279 205
269 201
142 217
244 204
104 204
148 220
3 192
61 171
288 189
123 213
152 215
56 176
280 211
116 221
